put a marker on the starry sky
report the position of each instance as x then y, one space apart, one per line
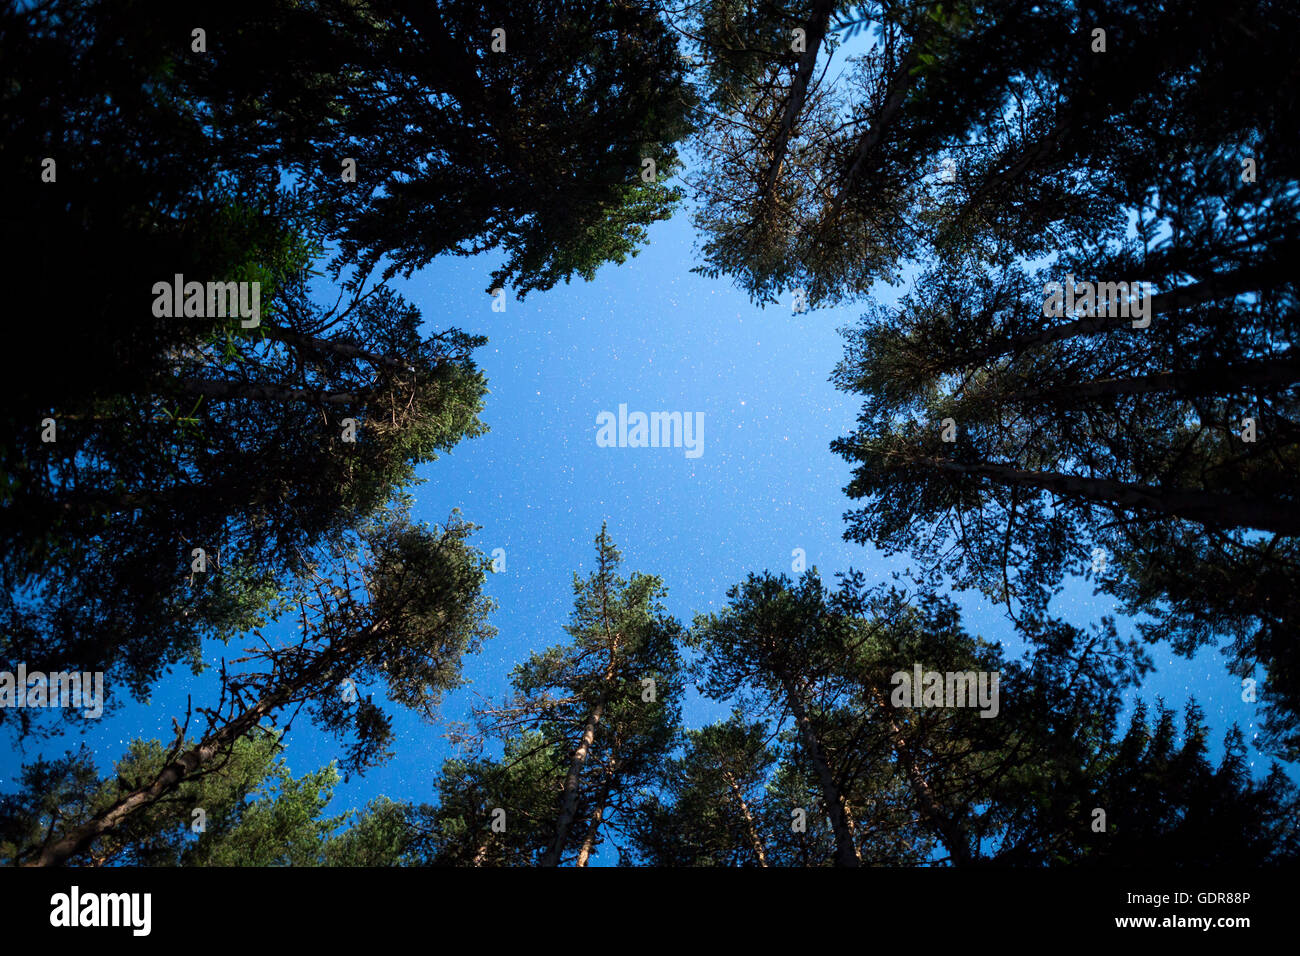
653 335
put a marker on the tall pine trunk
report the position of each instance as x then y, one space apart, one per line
846 851
901 83
1246 279
169 778
1196 382
814 33
344 349
945 827
199 756
569 799
598 814
751 826
212 388
1204 507
481 853
589 842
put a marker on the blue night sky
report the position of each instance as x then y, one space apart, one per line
655 336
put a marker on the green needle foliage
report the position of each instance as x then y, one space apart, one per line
253 812
397 612
220 157
882 780
290 437
994 149
588 726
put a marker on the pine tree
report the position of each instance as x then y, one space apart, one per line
711 810
493 812
219 158
249 811
255 450
937 780
604 709
1004 151
400 610
778 640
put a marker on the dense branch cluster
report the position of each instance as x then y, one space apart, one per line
1072 230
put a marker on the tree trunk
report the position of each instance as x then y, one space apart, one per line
598 814
1203 507
900 84
1197 382
846 852
1152 57
196 758
589 842
212 388
755 840
343 349
945 826
170 777
481 853
851 823
818 21
569 799
1247 279
1041 149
